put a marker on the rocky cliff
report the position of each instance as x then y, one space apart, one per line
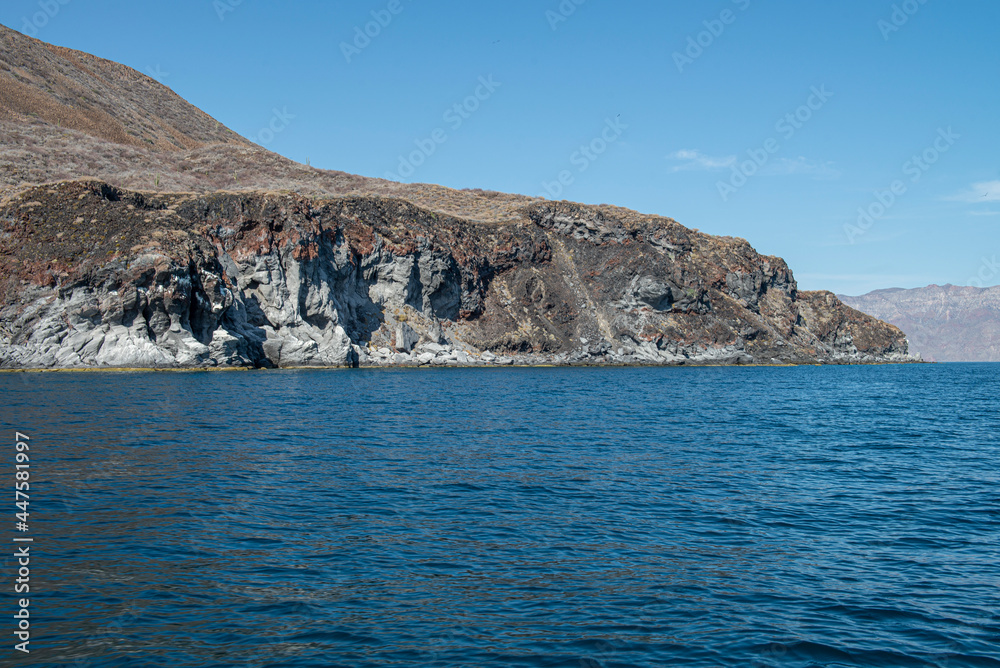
944 323
98 276
136 231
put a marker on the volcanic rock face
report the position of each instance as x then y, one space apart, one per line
948 323
217 269
98 276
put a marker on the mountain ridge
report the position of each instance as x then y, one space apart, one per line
944 323
174 243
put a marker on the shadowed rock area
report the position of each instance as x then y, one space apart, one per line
233 256
98 276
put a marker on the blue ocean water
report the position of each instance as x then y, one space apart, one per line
806 516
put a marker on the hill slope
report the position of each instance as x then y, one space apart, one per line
66 114
106 100
946 323
242 257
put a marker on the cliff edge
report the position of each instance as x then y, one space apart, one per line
98 276
137 231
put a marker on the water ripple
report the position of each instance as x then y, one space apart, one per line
814 516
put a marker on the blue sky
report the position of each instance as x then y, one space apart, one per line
857 139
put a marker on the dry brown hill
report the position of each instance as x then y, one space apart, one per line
191 246
77 91
66 114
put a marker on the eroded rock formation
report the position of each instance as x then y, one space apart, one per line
94 275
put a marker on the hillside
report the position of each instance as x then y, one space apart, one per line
66 114
137 231
947 323
73 90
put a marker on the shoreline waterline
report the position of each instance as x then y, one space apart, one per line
466 366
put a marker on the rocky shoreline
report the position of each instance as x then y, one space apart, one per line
241 258
603 354
96 276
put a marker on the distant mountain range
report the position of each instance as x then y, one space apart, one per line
948 323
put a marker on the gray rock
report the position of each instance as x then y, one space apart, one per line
435 333
310 299
406 338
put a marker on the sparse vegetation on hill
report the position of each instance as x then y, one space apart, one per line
136 230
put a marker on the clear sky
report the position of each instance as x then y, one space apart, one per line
781 121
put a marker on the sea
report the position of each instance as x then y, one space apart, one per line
573 517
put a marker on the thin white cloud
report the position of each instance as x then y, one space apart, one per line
984 213
979 193
690 160
803 166
859 284
902 278
695 160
